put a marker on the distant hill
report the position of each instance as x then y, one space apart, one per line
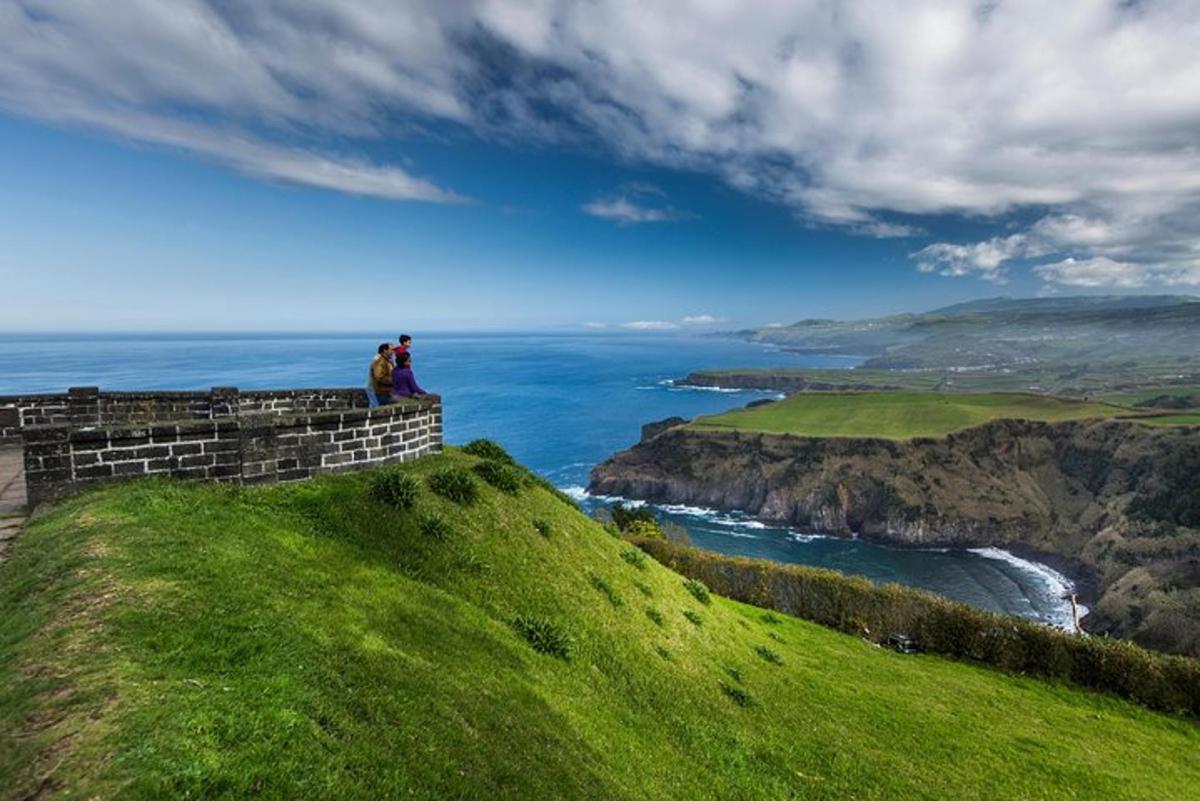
1069 304
1008 333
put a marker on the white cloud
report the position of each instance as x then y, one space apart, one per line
650 325
985 259
623 210
853 113
1102 271
702 319
231 87
635 202
595 325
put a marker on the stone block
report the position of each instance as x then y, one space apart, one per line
94 471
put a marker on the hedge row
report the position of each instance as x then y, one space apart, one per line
857 606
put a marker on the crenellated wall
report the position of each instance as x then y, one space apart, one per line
87 437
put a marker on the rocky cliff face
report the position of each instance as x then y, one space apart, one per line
1105 495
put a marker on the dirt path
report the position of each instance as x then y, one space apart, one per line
12 495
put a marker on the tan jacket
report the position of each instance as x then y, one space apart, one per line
381 374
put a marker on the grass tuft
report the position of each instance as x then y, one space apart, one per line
545 636
693 617
698 591
504 477
488 449
604 587
455 484
766 653
394 487
436 526
655 616
736 694
634 557
542 527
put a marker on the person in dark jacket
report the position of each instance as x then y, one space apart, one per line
404 384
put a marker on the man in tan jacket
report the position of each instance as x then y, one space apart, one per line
379 382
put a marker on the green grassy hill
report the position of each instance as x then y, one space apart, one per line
307 641
900 415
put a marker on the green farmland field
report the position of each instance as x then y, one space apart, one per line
901 415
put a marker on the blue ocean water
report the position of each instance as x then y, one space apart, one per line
559 402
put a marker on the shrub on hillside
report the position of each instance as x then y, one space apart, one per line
504 477
545 636
542 527
487 449
693 617
625 516
938 625
655 616
395 488
698 591
455 484
673 532
643 529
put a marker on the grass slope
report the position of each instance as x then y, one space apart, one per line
303 641
899 415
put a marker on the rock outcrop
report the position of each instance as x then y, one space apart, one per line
1119 500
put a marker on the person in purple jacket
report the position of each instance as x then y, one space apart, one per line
404 384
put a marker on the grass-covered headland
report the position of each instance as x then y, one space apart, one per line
444 632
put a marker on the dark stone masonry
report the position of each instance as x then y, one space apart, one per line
85 436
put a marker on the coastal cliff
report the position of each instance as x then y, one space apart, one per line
1119 500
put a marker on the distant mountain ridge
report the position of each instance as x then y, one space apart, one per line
1006 333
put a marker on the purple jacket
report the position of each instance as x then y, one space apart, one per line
404 385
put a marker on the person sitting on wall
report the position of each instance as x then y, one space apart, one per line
404 384
379 379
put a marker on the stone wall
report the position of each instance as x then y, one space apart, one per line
87 437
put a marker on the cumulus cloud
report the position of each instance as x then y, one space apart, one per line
853 114
985 259
702 319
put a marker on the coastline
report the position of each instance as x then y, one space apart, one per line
1050 569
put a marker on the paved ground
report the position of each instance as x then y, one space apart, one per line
12 495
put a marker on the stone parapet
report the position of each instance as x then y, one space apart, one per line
89 437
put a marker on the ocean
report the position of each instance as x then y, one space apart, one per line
559 403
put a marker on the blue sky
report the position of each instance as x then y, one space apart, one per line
462 167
